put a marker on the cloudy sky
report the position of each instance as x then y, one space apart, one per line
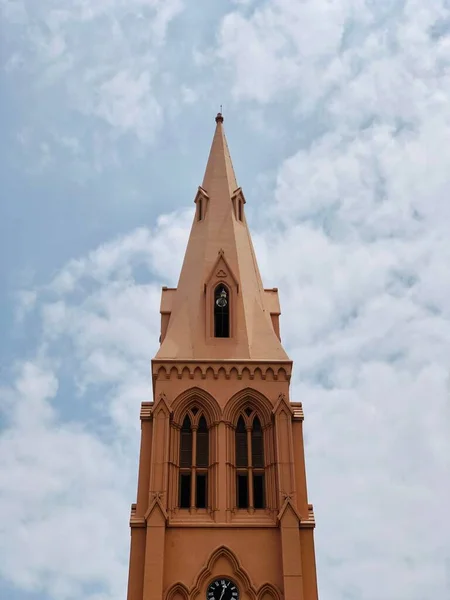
337 114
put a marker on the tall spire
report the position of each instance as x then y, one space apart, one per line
220 251
219 168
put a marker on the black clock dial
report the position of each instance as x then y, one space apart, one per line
222 589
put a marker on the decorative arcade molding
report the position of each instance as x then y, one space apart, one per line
240 370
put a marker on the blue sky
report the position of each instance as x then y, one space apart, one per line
338 119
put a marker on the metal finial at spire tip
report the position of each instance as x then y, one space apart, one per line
219 117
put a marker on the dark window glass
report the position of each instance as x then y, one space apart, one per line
186 444
240 210
242 490
202 444
221 312
241 444
201 490
257 445
185 490
200 216
258 490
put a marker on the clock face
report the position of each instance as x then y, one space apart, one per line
222 589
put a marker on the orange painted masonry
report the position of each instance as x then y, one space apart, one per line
222 510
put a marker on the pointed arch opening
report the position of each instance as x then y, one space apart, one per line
241 464
258 464
221 311
250 462
201 466
185 463
194 460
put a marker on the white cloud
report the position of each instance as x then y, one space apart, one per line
26 300
69 444
55 478
370 367
101 57
350 60
356 240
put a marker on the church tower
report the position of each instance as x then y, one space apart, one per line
222 510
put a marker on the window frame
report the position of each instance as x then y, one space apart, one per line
249 470
215 310
194 415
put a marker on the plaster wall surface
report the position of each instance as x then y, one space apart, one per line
222 389
188 549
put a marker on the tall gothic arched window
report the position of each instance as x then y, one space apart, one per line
202 462
221 312
258 464
185 463
250 465
194 463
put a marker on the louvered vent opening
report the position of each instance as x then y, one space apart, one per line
186 444
202 444
241 444
257 445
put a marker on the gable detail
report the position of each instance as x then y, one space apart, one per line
220 270
235 570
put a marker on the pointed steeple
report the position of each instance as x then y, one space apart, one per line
219 174
220 256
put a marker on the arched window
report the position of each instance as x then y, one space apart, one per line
221 312
250 465
258 464
241 464
194 463
185 463
202 463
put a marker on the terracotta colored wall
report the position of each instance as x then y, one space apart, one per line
222 389
188 550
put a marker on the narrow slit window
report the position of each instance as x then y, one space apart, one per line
200 209
258 490
240 210
257 445
202 444
185 490
242 490
186 444
201 491
221 312
241 444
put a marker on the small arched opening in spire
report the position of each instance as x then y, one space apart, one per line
221 312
